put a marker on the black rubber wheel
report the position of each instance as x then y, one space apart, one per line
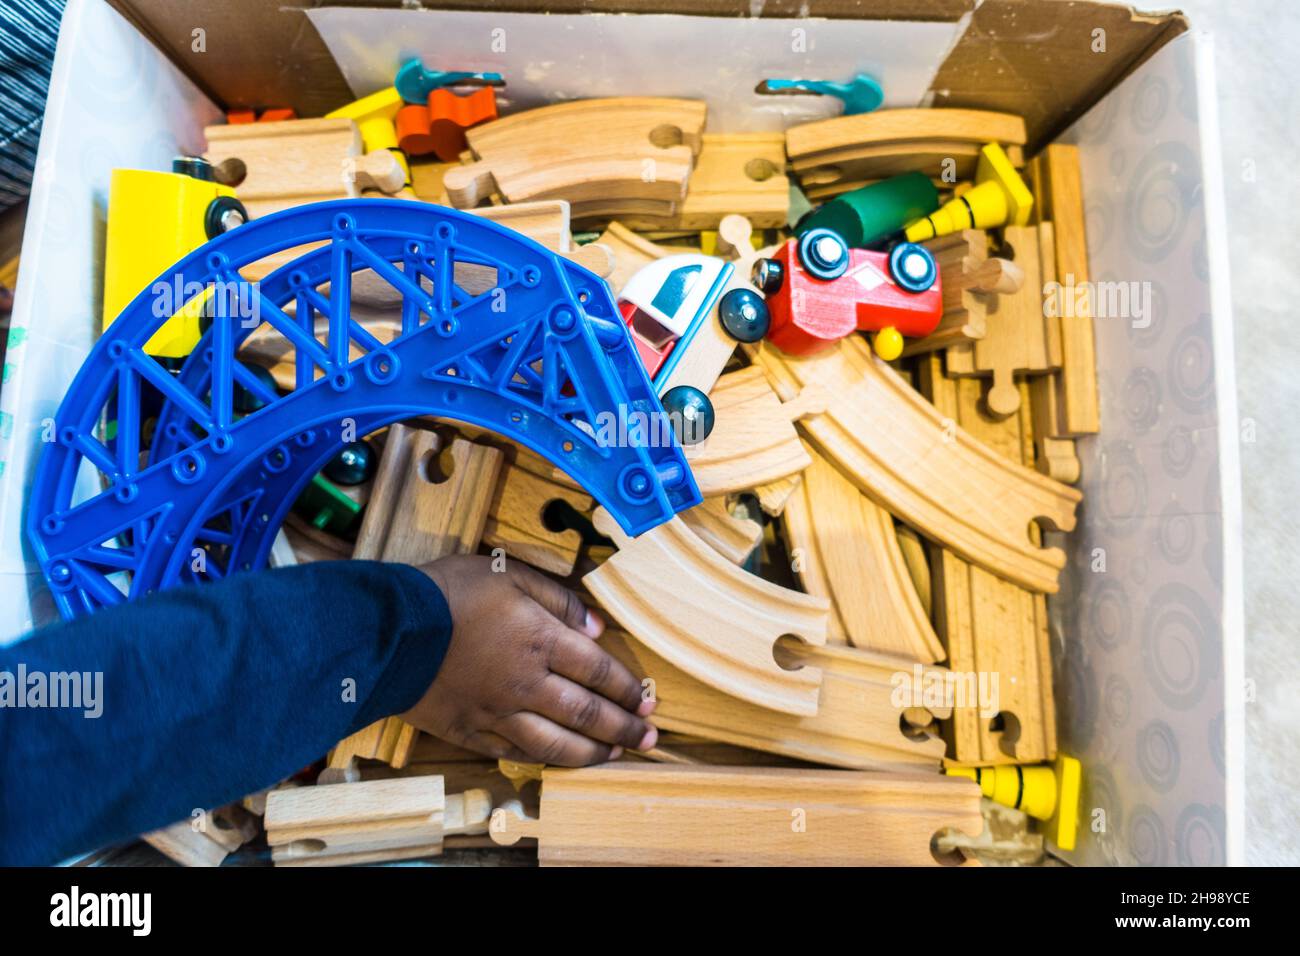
744 315
691 413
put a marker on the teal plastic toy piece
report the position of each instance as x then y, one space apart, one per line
414 83
861 94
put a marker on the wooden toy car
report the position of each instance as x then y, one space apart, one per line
819 290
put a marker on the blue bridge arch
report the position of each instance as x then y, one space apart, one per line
495 330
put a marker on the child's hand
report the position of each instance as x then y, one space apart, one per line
524 678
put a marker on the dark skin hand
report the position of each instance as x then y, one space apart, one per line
524 677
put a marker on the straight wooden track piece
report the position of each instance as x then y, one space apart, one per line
370 821
754 441
694 815
288 163
857 724
1058 198
990 626
1020 338
596 153
708 617
733 537
206 840
972 282
836 155
413 519
844 548
516 520
922 468
735 173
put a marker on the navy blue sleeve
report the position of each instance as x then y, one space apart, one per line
195 697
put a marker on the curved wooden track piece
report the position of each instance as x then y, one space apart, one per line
754 441
696 815
516 518
856 725
836 155
591 152
844 548
922 468
703 614
733 537
631 253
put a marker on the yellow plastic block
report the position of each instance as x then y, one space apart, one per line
154 220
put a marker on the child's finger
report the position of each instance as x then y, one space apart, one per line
545 741
558 600
586 662
573 706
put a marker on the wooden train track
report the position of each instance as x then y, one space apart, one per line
857 724
708 617
595 153
692 815
921 467
836 155
844 548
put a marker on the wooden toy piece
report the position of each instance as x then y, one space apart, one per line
906 456
516 520
754 441
837 155
857 721
991 626
703 614
735 173
844 548
610 157
733 537
917 562
773 496
288 163
378 170
426 180
972 282
1058 190
1019 337
273 115
204 840
1054 456
876 212
692 815
438 126
369 822
419 513
631 253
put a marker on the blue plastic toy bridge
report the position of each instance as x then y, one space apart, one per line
496 331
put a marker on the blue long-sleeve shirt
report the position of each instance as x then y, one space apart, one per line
206 694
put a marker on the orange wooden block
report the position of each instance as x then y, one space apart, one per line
277 115
450 115
413 136
240 116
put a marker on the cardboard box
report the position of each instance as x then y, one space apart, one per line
1147 629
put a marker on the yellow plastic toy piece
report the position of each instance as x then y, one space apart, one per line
889 343
155 219
375 116
998 198
1047 793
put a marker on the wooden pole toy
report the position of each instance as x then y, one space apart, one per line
708 617
697 815
998 198
1048 793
